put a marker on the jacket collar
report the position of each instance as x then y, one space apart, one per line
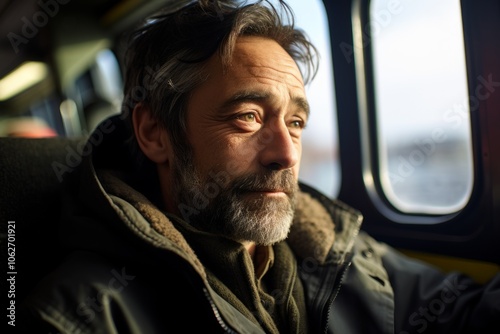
323 229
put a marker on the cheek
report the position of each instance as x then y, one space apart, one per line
236 156
218 152
207 144
241 155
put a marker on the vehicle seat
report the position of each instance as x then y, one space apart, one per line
30 195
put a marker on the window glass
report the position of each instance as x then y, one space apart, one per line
320 166
97 92
422 104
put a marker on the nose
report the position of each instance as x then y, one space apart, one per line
278 149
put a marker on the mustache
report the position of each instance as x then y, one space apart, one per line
283 181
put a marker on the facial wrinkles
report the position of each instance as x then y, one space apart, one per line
280 77
268 73
242 206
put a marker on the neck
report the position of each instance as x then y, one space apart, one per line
250 247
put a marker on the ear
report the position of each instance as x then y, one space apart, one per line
152 138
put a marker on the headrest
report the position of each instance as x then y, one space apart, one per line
30 196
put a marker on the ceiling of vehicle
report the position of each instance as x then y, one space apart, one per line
62 35
27 26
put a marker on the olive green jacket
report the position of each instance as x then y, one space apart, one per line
130 270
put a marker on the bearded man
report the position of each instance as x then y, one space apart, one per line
189 215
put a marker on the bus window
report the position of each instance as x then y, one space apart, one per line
422 105
320 166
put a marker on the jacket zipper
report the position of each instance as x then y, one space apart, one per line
218 317
339 280
338 284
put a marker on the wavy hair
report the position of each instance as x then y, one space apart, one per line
166 54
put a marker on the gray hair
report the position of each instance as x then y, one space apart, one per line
166 55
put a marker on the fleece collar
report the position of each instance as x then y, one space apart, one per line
312 233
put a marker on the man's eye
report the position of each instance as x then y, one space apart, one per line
297 124
249 117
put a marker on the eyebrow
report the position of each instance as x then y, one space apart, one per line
256 96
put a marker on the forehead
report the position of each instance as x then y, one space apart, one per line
258 67
255 59
264 58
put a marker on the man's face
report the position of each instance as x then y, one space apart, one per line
244 128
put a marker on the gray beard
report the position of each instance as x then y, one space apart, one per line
221 205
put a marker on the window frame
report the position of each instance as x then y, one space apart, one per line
371 153
382 18
462 234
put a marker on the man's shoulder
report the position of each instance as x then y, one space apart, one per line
79 271
88 293
73 294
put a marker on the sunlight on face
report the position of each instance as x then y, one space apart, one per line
244 128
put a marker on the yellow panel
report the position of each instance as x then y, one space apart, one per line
480 271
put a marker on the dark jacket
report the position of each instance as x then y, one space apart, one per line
131 271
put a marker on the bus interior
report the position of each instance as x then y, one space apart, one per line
404 125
